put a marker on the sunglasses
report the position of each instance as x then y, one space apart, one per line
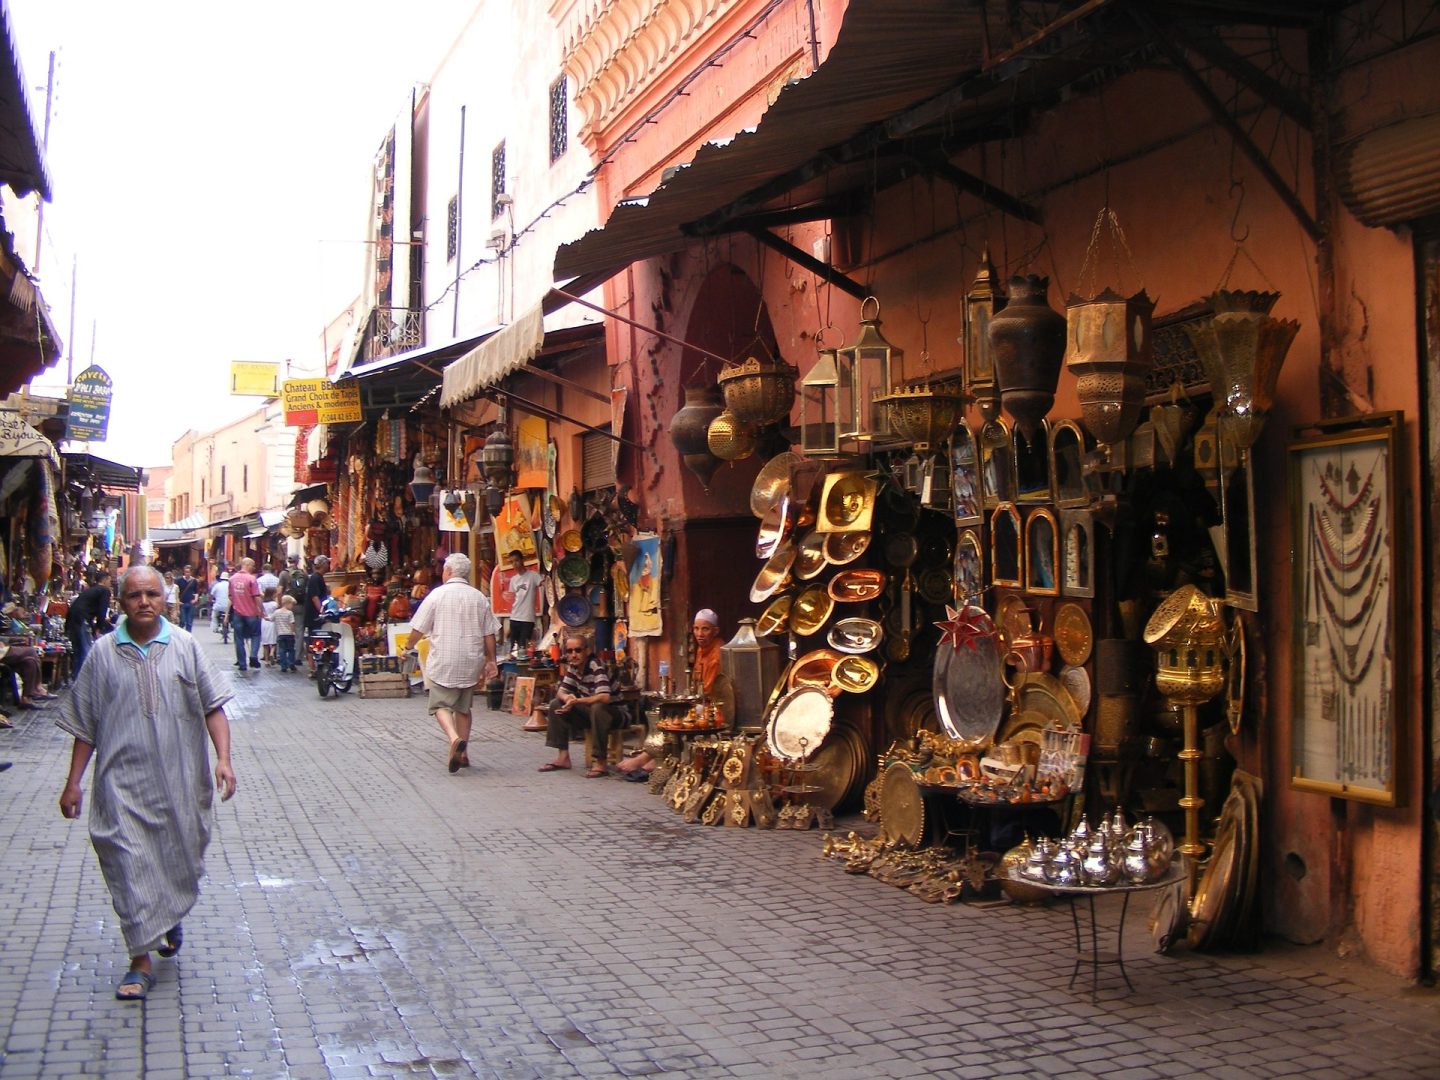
576 651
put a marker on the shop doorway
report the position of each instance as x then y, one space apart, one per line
1427 260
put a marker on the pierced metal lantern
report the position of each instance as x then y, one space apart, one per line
1109 353
823 400
923 415
759 391
730 438
497 456
869 365
422 485
984 299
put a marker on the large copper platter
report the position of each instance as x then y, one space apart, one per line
800 723
775 618
856 636
841 549
810 556
854 586
774 574
772 482
968 689
810 610
902 807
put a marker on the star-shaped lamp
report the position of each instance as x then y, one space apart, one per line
966 628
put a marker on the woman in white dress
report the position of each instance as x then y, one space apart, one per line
267 626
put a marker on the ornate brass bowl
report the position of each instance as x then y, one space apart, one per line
774 574
847 503
856 635
774 528
775 618
923 415
816 668
841 549
855 674
772 482
810 557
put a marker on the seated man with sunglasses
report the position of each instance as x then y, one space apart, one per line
581 700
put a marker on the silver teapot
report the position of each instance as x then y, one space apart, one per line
1147 853
1101 865
1038 862
1065 869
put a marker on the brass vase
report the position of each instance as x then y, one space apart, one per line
1110 354
1027 343
690 430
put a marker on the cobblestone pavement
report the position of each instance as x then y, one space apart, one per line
367 914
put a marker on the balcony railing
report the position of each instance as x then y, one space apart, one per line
391 330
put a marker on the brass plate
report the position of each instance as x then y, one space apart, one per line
856 674
856 636
1013 618
810 556
855 586
936 585
1042 695
810 610
1214 887
834 770
772 482
902 807
774 528
1073 635
800 723
570 540
1076 681
841 549
847 503
775 619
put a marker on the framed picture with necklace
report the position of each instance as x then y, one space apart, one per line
1344 484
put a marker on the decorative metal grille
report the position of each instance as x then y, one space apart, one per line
452 229
497 179
559 117
392 330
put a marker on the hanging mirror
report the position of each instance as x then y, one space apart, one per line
1005 546
997 463
969 568
1077 553
1067 451
1032 464
1238 507
965 477
1042 549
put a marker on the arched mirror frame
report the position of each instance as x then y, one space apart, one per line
1042 552
1034 479
1005 522
1077 570
1065 433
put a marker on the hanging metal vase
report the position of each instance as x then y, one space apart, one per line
1243 349
1110 354
690 429
729 438
1027 342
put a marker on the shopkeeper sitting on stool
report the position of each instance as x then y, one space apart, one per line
21 657
583 697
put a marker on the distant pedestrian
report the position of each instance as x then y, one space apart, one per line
220 605
316 593
457 618
189 594
142 707
268 604
283 620
526 587
245 613
267 578
89 616
172 598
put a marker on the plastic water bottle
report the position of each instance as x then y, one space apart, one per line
665 677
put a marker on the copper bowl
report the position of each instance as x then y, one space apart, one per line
775 619
844 548
810 556
774 574
816 669
847 502
810 610
854 586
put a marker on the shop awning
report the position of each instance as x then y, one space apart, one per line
493 359
403 380
195 521
19 440
89 469
22 160
174 542
306 494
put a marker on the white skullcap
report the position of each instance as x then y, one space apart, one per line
705 615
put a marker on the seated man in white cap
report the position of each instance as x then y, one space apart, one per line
706 676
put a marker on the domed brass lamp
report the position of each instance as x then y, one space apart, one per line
1243 349
729 438
868 365
1189 640
1109 353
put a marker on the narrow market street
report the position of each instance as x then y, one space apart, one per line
367 914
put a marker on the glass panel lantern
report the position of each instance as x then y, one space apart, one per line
753 666
869 364
824 400
983 300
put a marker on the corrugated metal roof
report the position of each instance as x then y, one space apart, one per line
889 55
22 162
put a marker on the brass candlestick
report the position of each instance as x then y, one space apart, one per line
1188 636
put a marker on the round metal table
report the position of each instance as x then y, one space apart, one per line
1093 957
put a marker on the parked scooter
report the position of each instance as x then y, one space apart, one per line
332 648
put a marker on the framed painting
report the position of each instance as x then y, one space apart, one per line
524 699
1077 553
1344 483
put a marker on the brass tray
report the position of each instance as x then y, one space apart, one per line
815 668
800 723
836 766
967 687
1076 681
774 574
772 482
855 586
1043 695
1073 635
902 807
847 503
774 529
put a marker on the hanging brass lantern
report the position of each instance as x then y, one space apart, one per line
984 299
497 456
1243 349
729 438
759 391
824 399
1109 353
923 415
690 429
868 365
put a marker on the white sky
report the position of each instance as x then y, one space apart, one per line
210 166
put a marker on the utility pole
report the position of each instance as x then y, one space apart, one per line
44 149
70 340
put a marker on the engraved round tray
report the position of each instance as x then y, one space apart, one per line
969 694
800 723
902 807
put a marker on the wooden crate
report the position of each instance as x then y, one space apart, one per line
384 685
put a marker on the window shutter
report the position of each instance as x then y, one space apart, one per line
597 465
